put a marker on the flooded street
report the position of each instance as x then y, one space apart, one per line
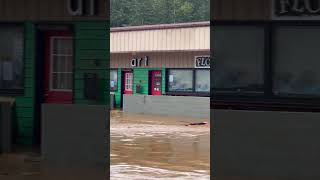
142 148
149 147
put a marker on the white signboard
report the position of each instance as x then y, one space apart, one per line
295 9
202 61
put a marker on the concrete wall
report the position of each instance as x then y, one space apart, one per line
197 107
6 125
75 134
266 144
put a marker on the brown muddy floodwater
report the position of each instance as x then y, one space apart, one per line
142 148
150 147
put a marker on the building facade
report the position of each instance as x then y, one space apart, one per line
265 104
160 60
267 53
51 51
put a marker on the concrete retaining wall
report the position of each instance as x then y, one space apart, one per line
6 125
185 106
266 144
75 134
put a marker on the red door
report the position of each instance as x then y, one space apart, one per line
156 80
128 82
58 67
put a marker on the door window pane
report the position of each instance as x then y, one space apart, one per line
239 59
181 80
202 80
62 63
297 53
11 57
62 80
113 80
128 81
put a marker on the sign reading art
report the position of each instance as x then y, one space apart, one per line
139 62
53 10
296 9
82 7
202 62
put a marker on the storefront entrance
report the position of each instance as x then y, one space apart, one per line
54 70
127 84
58 67
155 82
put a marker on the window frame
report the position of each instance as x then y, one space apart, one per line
52 54
116 89
185 93
195 80
292 24
17 92
266 60
267 101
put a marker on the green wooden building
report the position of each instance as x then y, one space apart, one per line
52 51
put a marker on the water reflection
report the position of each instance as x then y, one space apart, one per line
161 149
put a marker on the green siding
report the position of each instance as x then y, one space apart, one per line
25 104
163 81
140 76
118 92
91 56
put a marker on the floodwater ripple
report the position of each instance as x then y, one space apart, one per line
166 149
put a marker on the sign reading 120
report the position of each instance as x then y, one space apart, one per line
297 7
82 7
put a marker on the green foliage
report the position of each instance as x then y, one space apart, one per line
146 12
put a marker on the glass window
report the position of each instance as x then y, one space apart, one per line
62 63
239 59
297 60
202 80
114 80
181 80
11 58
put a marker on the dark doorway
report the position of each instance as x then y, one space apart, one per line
155 81
39 98
41 54
58 82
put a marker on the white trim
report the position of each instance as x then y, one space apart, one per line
52 38
128 86
68 55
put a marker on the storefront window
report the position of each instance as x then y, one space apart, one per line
11 58
239 59
202 81
113 80
297 60
181 80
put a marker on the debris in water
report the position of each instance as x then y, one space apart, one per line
197 124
